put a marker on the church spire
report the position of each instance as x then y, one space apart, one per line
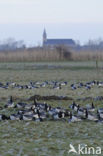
44 36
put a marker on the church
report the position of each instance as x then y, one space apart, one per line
56 42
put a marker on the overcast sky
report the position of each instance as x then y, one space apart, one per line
26 19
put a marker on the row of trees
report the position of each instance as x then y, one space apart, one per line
94 45
13 45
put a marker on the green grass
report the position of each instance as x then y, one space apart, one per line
49 137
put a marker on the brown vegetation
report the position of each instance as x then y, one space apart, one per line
87 55
57 54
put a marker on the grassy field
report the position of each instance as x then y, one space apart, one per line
49 138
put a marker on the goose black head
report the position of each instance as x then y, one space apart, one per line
70 115
21 117
97 82
38 112
50 107
11 99
93 105
86 113
98 115
60 114
78 107
46 107
73 104
35 101
97 112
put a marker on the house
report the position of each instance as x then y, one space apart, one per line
56 42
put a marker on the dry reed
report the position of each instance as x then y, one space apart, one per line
36 55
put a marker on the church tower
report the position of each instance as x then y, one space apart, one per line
44 36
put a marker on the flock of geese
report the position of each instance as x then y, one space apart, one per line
87 85
43 112
37 111
52 85
35 85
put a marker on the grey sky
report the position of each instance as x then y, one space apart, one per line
26 19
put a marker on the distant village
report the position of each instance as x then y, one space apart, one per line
13 45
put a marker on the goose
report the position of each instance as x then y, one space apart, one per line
30 87
88 87
58 115
57 87
81 111
28 106
10 103
3 117
5 87
91 108
64 83
20 105
36 115
58 109
25 111
34 105
67 113
74 118
39 116
74 106
100 84
15 117
100 114
20 87
100 110
37 83
93 82
43 106
38 119
90 116
35 110
47 108
26 87
28 112
88 83
53 111
80 85
73 87
39 106
27 117
42 115
100 119
43 85
13 84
